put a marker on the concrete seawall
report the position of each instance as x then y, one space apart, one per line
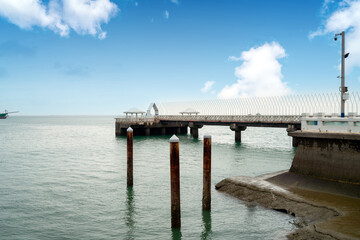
331 156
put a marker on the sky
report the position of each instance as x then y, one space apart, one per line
102 57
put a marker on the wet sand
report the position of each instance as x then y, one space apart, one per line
323 209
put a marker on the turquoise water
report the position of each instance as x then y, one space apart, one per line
65 178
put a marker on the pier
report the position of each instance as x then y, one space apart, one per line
328 144
237 114
179 124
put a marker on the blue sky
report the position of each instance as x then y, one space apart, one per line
127 54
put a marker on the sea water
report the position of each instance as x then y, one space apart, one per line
65 178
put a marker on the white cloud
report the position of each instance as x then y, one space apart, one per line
175 1
345 18
83 16
233 58
208 85
259 74
166 14
102 35
325 5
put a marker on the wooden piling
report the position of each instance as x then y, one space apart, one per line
175 182
206 201
130 135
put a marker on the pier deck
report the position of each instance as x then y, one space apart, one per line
178 124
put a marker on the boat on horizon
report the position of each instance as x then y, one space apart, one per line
5 114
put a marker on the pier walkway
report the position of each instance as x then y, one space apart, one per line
227 120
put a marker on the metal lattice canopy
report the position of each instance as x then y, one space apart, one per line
327 103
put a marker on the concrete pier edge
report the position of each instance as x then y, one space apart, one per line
332 156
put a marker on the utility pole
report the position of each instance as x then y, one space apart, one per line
343 89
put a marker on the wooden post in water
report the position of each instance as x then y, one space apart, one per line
206 201
130 134
175 182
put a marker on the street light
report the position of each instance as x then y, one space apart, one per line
343 89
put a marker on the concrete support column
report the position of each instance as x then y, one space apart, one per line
123 132
184 130
163 131
178 131
295 141
195 132
293 128
117 129
237 129
238 136
194 129
147 131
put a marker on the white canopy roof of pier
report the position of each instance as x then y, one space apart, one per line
134 111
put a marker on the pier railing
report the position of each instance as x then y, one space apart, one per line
322 123
135 120
232 118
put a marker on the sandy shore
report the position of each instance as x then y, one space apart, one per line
330 214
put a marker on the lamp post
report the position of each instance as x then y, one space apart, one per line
343 89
